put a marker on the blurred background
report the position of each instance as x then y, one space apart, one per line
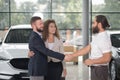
68 16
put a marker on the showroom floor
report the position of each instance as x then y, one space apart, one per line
76 72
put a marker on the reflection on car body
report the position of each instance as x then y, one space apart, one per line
115 61
13 53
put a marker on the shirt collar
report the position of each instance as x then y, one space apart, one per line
101 33
40 34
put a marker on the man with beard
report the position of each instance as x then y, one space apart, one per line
99 48
37 66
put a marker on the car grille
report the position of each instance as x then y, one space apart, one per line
20 63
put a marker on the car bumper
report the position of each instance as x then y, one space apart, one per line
21 76
10 70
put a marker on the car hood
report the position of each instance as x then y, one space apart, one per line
10 51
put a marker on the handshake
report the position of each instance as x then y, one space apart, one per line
68 57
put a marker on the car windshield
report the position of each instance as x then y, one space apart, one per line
18 36
115 39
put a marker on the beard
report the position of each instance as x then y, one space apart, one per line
39 30
95 30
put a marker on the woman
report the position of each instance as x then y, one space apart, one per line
53 41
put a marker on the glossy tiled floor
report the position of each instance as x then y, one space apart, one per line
77 72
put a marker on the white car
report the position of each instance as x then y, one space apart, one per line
114 66
13 53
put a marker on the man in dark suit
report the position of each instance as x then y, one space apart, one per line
38 62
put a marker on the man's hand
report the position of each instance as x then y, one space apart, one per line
68 57
30 54
89 62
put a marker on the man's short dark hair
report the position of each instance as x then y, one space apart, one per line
33 19
103 20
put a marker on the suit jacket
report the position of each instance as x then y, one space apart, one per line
38 63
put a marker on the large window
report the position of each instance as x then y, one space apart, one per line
109 8
67 13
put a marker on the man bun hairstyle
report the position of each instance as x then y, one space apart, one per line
103 20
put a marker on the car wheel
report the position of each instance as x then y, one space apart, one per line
112 70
